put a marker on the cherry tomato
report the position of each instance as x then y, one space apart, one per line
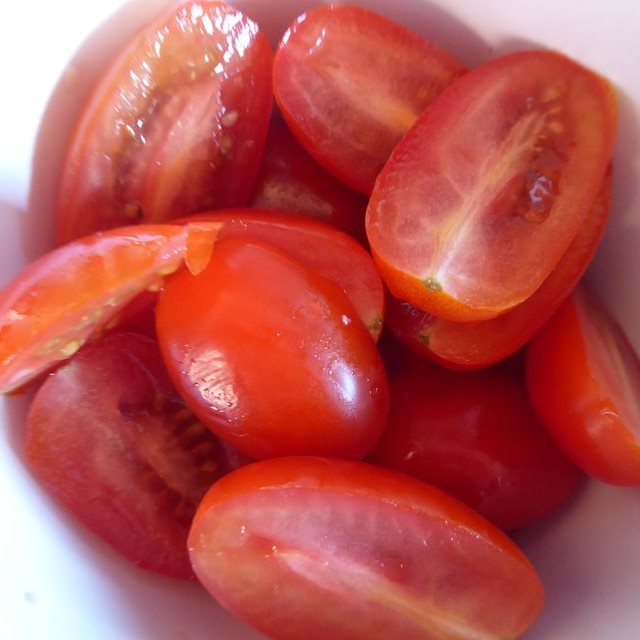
316 245
58 301
476 436
176 125
350 83
111 440
316 548
290 180
272 356
471 345
484 195
583 378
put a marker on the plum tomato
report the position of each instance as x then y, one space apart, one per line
50 309
290 180
472 345
176 125
272 356
111 440
583 378
317 548
477 437
482 197
350 83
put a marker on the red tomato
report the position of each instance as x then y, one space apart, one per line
68 295
176 125
290 180
484 195
350 83
316 245
272 356
315 548
111 440
476 436
583 378
470 345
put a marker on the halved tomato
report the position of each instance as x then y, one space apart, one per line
484 195
316 548
50 309
583 378
176 125
350 83
471 345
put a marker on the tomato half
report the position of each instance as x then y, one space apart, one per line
583 378
176 125
111 440
471 345
316 245
484 195
316 548
477 437
290 180
272 356
50 309
350 83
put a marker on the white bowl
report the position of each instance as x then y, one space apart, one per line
57 580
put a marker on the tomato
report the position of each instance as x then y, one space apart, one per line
273 357
316 548
290 180
476 436
350 83
484 195
316 245
470 345
583 378
111 440
60 300
176 125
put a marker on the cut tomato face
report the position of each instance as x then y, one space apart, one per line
290 180
272 356
316 245
110 439
176 125
583 378
477 437
350 83
317 548
471 345
60 300
485 194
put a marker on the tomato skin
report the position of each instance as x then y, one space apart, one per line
583 376
290 180
350 83
176 125
274 542
273 358
476 437
511 157
110 439
473 345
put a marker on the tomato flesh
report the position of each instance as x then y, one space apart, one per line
176 125
274 542
484 195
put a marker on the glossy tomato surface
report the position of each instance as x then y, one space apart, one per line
272 356
176 125
477 437
317 548
110 439
583 378
350 83
484 195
